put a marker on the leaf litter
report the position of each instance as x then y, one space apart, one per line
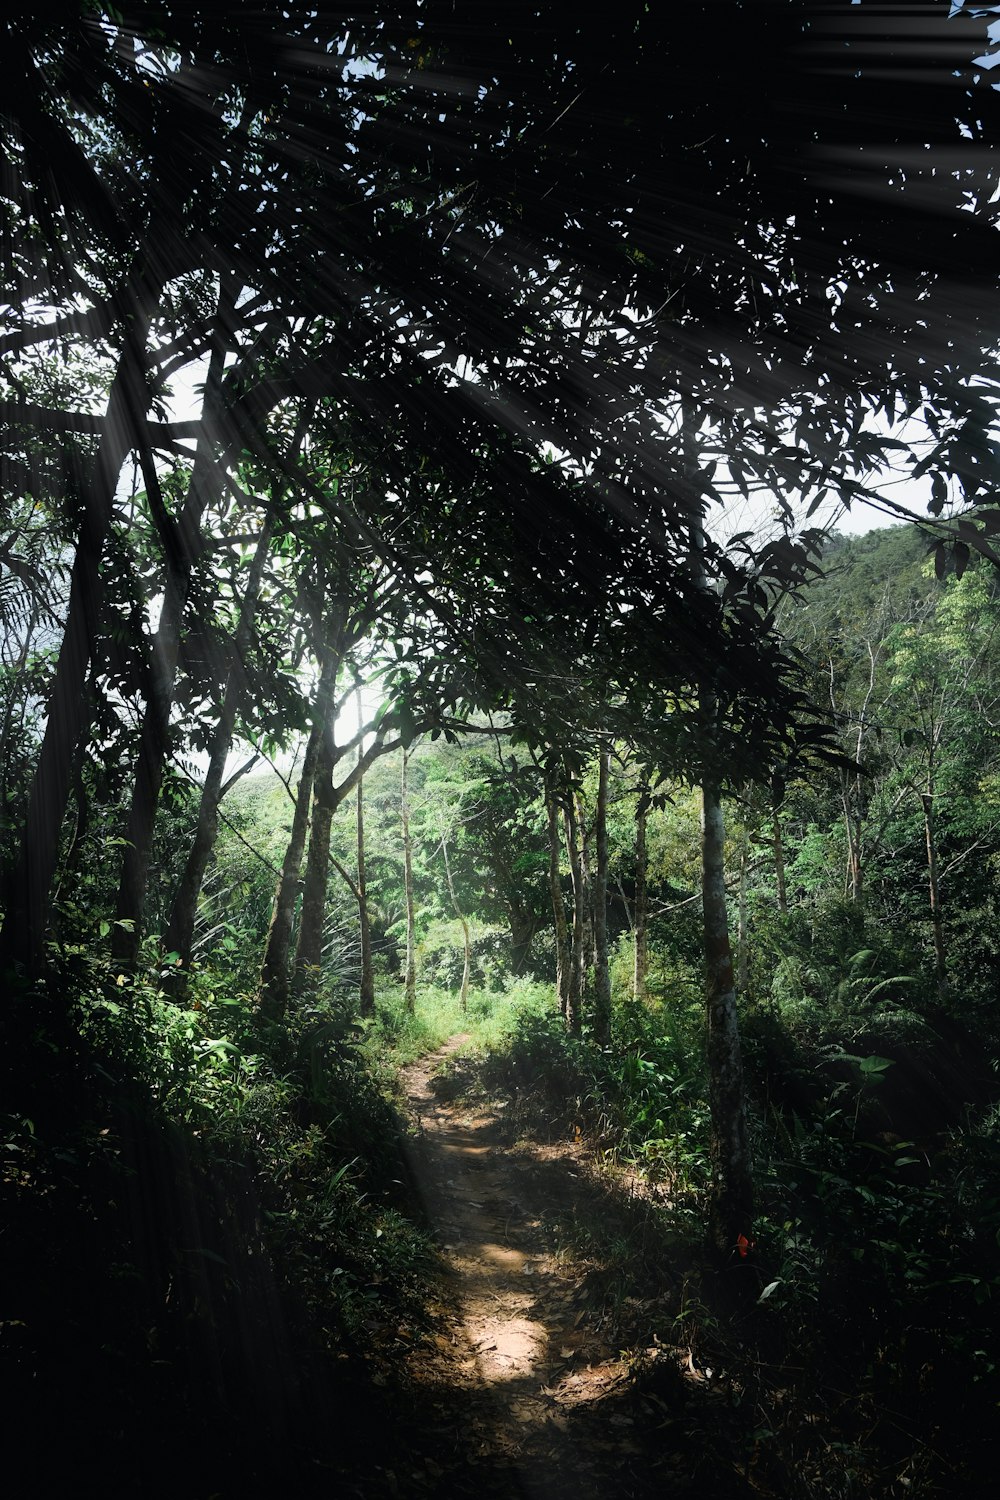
531 1394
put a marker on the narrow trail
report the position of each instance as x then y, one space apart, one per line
528 1394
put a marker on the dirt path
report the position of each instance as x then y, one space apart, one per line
528 1395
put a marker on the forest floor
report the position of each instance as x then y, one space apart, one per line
526 1388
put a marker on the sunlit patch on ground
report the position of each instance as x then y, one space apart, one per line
507 1348
521 1365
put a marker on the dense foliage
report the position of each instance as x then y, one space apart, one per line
264 1157
379 652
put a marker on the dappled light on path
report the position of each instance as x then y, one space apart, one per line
521 1364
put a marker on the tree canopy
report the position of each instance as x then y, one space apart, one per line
377 385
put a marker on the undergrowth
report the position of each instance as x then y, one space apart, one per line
856 1350
207 1233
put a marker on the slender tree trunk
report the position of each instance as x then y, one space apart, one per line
574 988
464 997
852 790
180 928
523 926
312 915
29 881
731 1211
558 904
641 969
72 865
741 929
602 973
410 981
274 978
852 827
587 961
8 734
367 990
154 742
326 800
934 886
731 1204
778 845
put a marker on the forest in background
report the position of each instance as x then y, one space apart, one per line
374 669
856 1331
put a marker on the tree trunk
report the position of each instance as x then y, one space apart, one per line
410 981
29 880
852 827
274 977
586 900
464 997
523 926
180 929
778 845
154 743
741 928
852 791
367 989
8 734
574 987
731 1209
73 867
563 959
641 968
934 888
602 974
326 800
731 1204
312 915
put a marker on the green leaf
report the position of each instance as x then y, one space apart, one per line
218 1048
